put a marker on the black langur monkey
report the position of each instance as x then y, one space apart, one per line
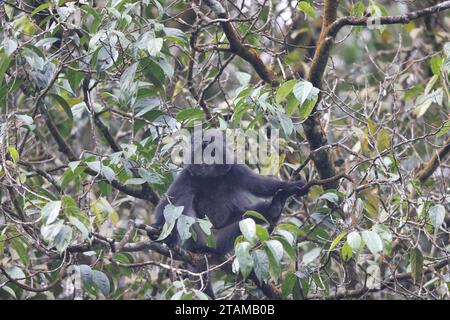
224 192
221 192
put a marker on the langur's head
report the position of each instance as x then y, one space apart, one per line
209 155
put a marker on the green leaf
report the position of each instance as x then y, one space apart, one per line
331 196
284 90
135 181
288 284
288 247
346 251
373 242
70 209
445 128
290 227
244 258
123 257
436 64
4 63
262 233
416 261
85 272
377 9
93 27
256 215
383 139
50 231
184 224
127 83
50 211
180 295
43 6
302 287
372 126
63 238
292 104
165 66
99 167
171 214
9 291
413 92
150 177
358 9
101 281
9 46
306 8
205 225
286 123
21 248
437 215
210 239
337 240
261 265
243 78
154 46
27 120
248 229
80 226
431 83
200 295
385 235
307 107
287 235
311 255
73 165
16 273
166 230
354 240
63 103
423 102
274 250
13 153
304 90
191 114
46 41
177 36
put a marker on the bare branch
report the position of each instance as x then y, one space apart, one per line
237 47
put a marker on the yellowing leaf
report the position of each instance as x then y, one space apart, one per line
336 241
306 8
383 140
372 126
14 154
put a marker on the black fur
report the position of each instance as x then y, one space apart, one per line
223 193
224 198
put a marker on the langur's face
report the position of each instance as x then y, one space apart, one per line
209 157
208 170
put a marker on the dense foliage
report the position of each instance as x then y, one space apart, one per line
91 91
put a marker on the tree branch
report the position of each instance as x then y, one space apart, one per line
313 128
330 28
334 28
28 288
63 147
384 284
237 47
434 162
